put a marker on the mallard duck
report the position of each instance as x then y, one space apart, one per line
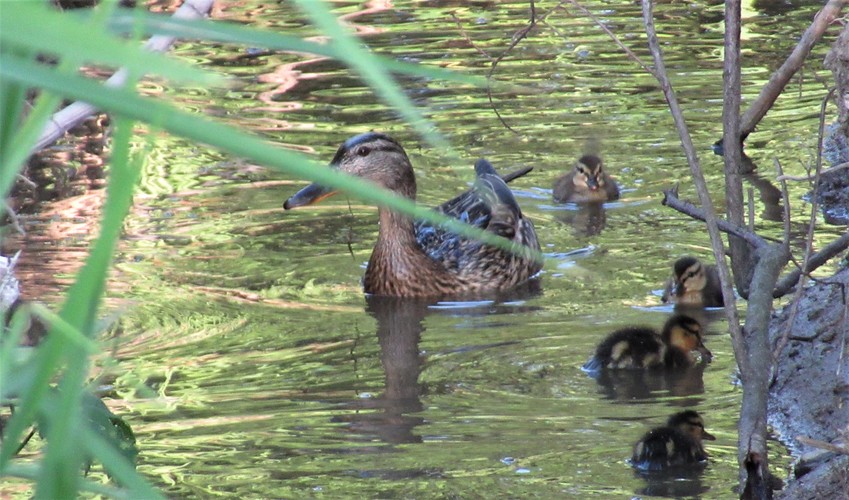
694 284
586 182
416 259
679 345
678 443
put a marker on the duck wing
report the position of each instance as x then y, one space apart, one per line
489 205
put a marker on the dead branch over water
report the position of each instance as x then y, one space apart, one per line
824 18
76 113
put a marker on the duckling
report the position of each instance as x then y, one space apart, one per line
678 443
416 259
587 182
679 345
694 284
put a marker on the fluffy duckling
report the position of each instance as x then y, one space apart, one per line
587 182
694 283
678 443
679 345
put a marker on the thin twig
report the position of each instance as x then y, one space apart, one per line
785 199
469 39
613 37
701 187
671 200
809 238
839 166
816 260
751 205
816 443
76 113
518 37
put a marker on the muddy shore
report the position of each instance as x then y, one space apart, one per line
810 396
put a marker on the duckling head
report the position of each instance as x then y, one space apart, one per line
689 276
691 423
373 156
589 173
685 333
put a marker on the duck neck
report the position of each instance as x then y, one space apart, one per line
396 232
397 262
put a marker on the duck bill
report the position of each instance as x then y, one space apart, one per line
592 183
707 356
708 436
309 195
676 289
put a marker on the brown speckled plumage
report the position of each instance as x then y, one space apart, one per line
415 259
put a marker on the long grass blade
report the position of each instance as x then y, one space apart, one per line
363 62
209 31
79 43
61 464
229 138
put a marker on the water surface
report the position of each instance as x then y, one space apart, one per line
250 364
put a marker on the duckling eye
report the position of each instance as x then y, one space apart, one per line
363 151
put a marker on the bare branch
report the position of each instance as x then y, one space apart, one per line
839 166
517 37
76 113
671 200
785 199
613 37
816 260
701 186
469 40
816 443
782 76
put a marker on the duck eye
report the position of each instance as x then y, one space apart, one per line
363 150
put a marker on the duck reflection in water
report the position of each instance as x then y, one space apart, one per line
587 219
399 329
400 323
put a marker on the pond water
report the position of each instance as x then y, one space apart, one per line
247 359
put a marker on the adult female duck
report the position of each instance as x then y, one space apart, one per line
416 259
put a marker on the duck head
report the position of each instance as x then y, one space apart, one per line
685 333
691 423
689 276
589 173
373 156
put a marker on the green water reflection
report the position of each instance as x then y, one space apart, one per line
250 364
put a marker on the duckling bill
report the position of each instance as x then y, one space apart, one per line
586 182
694 283
679 443
416 259
679 345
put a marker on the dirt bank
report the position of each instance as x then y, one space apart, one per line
810 396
